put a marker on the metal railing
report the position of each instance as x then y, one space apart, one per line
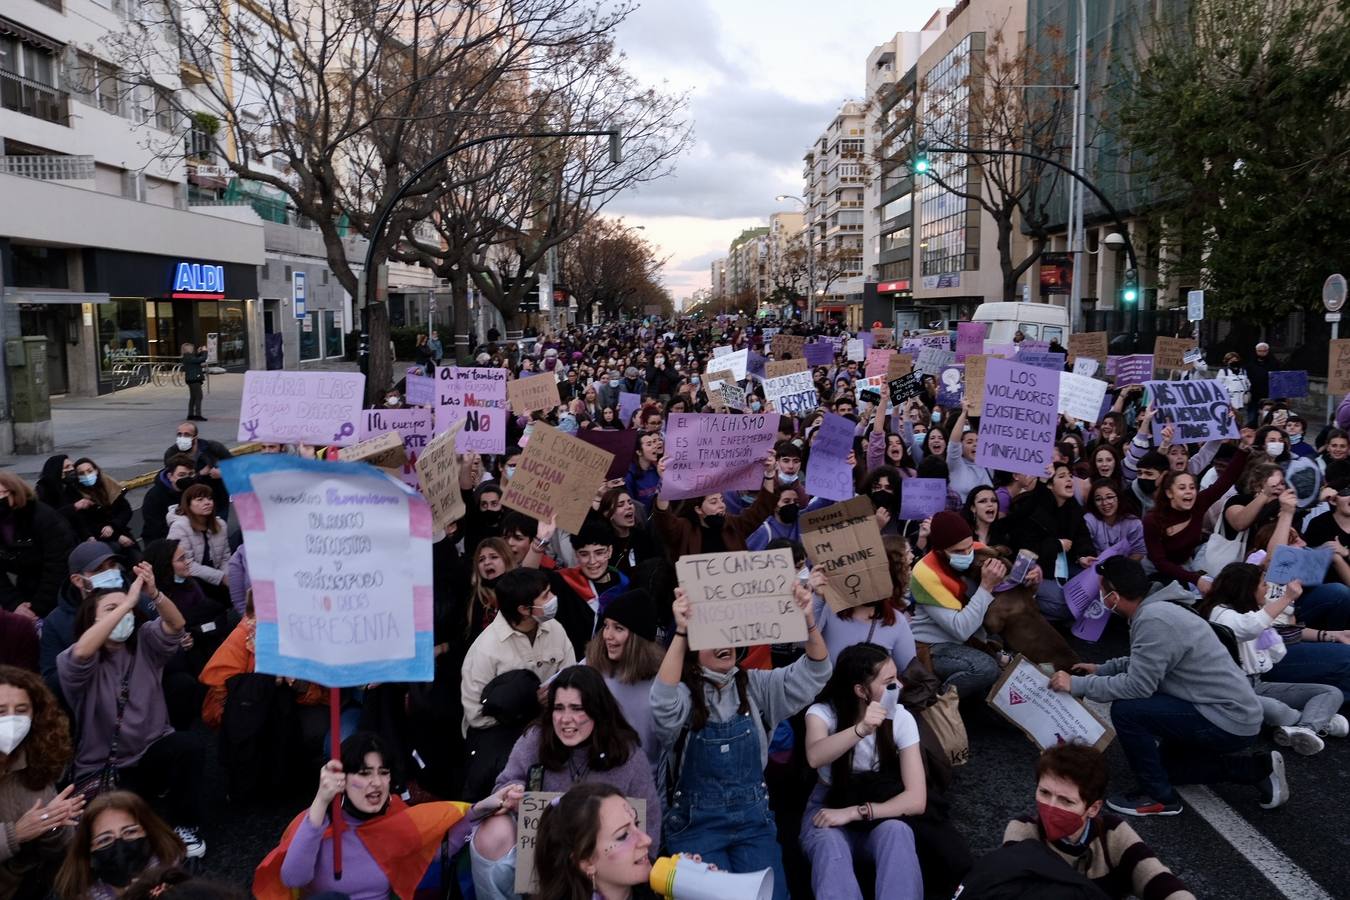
49 167
134 371
41 101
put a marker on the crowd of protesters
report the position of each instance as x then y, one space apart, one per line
562 660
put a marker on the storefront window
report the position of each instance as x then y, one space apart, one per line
121 332
309 337
233 341
332 334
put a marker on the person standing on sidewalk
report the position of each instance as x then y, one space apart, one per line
193 361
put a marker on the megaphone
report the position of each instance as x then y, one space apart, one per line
679 878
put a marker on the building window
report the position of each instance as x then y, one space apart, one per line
121 331
898 207
310 333
950 235
332 334
95 82
28 82
896 240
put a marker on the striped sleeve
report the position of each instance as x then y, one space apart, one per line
1136 865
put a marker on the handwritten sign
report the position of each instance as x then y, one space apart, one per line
708 453
438 469
301 407
741 599
1080 396
1048 718
1305 564
844 541
413 425
921 498
557 475
1288 384
531 393
1134 369
384 450
784 345
732 362
970 339
906 387
733 396
1020 412
819 354
1169 353
899 364
340 559
828 473
1090 344
878 361
933 360
1338 366
530 813
976 366
793 394
1042 359
1086 366
856 350
476 397
1198 411
622 443
776 368
419 389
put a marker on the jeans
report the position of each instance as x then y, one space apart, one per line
1325 606
1050 598
1309 705
1167 742
1309 662
973 672
194 398
170 771
493 879
889 846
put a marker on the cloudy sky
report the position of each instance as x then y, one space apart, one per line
765 77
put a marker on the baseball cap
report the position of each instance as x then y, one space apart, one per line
1125 575
89 555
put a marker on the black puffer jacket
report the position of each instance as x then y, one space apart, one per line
35 545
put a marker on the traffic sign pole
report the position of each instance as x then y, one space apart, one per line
1333 298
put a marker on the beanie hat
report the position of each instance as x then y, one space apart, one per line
633 610
948 530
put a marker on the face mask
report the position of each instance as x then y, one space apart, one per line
183 484
660 361
89 480
70 478
122 630
179 579
882 499
694 381
890 698
962 561
13 729
119 864
107 580
1111 609
1147 485
936 417
715 522
1058 823
788 513
510 472
183 443
614 382
756 406
785 478
392 401
718 679
548 611
1295 438
1274 448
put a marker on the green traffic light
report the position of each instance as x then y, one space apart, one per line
1129 294
921 164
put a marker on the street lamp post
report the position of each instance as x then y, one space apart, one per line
810 257
1076 244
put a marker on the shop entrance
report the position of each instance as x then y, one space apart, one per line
52 322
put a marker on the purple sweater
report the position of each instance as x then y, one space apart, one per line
309 863
840 633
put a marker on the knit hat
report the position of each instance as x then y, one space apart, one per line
948 530
633 610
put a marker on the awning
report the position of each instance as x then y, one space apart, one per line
830 309
42 296
28 36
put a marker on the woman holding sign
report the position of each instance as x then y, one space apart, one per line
703 526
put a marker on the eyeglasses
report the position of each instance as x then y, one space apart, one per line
106 839
1101 498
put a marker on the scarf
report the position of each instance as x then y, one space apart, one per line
935 583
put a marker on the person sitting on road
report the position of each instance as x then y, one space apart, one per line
202 536
625 653
102 512
591 845
35 543
1180 708
177 476
1070 790
118 838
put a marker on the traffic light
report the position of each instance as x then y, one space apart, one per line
920 166
1129 288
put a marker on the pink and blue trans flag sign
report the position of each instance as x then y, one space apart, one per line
339 555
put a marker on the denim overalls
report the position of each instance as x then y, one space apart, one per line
721 804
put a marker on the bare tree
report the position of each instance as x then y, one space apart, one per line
609 267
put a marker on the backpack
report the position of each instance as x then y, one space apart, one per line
1026 870
259 733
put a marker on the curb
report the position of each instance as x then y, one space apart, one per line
141 481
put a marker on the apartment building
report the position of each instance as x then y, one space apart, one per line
100 252
836 172
717 278
748 264
784 244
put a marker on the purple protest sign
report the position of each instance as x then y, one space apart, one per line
301 407
970 339
868 339
413 425
1288 384
754 364
921 498
419 389
1083 595
476 396
1042 359
1007 351
1134 369
951 388
911 346
621 443
1019 413
828 473
1029 344
708 453
1198 411
820 354
628 404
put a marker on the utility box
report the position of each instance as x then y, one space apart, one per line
26 359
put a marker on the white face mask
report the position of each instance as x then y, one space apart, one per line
1274 448
548 611
13 729
123 629
183 443
107 580
890 698
1295 438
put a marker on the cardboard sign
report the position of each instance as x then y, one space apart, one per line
1090 344
1198 411
976 366
741 599
413 425
933 360
844 542
734 363
1135 369
1288 384
1080 396
951 387
828 473
922 498
1019 416
621 443
1338 366
792 395
438 469
776 368
1086 366
531 812
532 393
819 354
1305 564
1048 718
878 361
1169 353
899 364
629 403
733 395
970 339
476 397
557 475
709 453
419 389
288 407
384 451
785 345
339 556
1083 595
906 387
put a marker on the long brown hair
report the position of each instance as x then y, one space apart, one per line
47 748
199 523
105 491
612 739
76 876
640 661
20 494
483 599
567 834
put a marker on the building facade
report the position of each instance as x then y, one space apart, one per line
748 265
836 172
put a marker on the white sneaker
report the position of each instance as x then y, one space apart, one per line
1274 788
1304 740
196 847
1337 726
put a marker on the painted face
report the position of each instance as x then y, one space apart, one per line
594 560
621 860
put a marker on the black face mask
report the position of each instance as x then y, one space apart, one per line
70 478
183 484
1147 485
788 513
119 864
491 518
4 506
714 522
882 499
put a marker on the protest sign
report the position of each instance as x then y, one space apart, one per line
1086 366
776 368
708 453
1195 306
911 346
844 541
1305 564
921 498
733 396
339 556
1169 353
528 816
856 351
722 351
1192 356
828 473
1019 415
1029 346
1003 351
869 340
714 380
1022 695
819 354
1089 344
878 361
438 469
1338 367
938 340
384 451
792 394
732 362
419 389
970 339
906 387
741 599
1198 411
897 365
476 397
784 345
621 443
628 404
933 360
869 390
951 387
1288 384
1083 595
1134 369
301 407
557 475
531 393
1042 359
1080 396
413 425
976 365
754 368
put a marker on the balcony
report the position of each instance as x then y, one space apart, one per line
49 167
31 98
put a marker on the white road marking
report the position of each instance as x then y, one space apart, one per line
1269 860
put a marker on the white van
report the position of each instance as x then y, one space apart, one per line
1038 321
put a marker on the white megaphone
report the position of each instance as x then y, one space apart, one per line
683 879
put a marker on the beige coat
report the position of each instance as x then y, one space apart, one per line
38 858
